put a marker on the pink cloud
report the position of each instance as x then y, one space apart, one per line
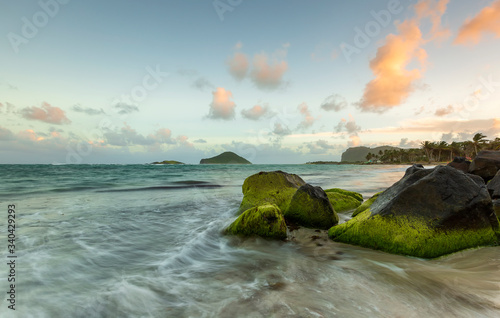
238 65
394 82
308 120
486 21
255 112
222 106
443 111
268 75
46 113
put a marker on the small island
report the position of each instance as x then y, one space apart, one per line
167 162
227 157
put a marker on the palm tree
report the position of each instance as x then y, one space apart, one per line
478 141
428 148
440 146
455 149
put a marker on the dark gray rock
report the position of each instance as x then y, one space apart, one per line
494 186
460 163
486 164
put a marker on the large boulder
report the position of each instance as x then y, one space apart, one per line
266 221
343 200
486 164
494 186
460 163
275 187
428 213
310 207
366 205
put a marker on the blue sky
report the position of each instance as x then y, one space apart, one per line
274 81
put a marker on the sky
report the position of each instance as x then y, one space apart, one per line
281 81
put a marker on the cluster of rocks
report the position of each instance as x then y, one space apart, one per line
428 213
271 200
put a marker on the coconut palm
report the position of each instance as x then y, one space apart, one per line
479 140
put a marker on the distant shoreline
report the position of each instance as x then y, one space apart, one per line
377 164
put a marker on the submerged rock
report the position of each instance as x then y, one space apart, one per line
343 200
486 164
276 187
365 205
311 207
266 221
428 213
460 163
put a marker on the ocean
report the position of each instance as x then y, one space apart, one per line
145 241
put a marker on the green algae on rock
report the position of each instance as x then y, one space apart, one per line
343 200
311 207
275 187
365 204
428 213
265 221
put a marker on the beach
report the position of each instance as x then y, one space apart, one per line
145 241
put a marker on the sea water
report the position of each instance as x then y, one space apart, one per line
145 241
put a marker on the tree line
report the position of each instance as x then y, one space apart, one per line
438 151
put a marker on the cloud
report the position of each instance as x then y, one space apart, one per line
238 65
486 21
87 110
405 143
256 112
200 141
393 82
124 109
334 102
46 113
281 130
267 75
183 141
350 128
222 107
308 120
321 147
443 111
6 134
202 83
127 136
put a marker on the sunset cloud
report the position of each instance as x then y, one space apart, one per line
351 129
268 75
238 65
256 112
87 110
486 21
127 136
46 113
443 111
222 106
308 120
394 82
6 134
334 102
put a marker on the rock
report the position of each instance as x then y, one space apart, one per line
365 205
266 221
486 164
494 186
428 213
496 207
343 200
310 207
460 163
276 187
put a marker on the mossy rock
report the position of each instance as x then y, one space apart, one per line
428 213
365 204
275 187
266 221
355 195
343 200
310 207
408 236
